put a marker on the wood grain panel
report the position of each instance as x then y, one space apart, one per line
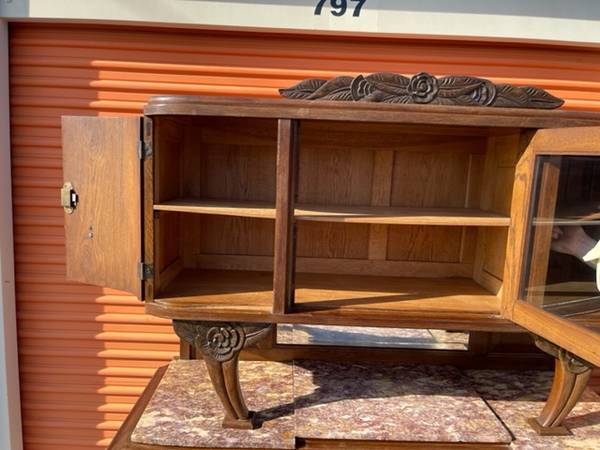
449 185
474 181
331 134
342 266
333 170
168 161
418 243
494 251
381 190
332 240
168 236
502 153
338 177
103 234
430 179
221 235
244 159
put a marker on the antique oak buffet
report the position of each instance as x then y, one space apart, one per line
348 203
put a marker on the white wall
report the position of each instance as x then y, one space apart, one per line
570 21
10 410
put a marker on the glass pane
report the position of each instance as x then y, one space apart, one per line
564 229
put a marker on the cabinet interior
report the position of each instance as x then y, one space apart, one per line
214 203
388 217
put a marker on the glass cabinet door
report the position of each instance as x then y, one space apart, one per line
560 270
551 276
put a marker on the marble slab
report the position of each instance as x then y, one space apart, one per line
326 400
390 402
516 396
185 411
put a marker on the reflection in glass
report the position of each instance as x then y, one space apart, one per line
298 334
564 230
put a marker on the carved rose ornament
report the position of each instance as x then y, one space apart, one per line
422 88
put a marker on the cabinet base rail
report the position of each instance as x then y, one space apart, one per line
221 344
571 375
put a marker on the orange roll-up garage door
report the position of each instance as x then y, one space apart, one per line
85 352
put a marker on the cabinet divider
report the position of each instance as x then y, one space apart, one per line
285 226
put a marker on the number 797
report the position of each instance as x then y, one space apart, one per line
339 7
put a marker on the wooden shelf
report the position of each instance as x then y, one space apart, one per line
568 298
330 299
261 210
562 221
400 216
590 219
578 214
349 214
347 293
221 289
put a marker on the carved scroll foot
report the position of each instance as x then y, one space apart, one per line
220 344
571 376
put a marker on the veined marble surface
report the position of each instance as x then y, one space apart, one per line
518 395
390 402
362 401
185 410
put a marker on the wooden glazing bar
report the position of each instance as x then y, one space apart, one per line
542 239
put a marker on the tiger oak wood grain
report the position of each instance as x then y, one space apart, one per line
104 232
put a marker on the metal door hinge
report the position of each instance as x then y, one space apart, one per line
68 198
145 271
144 150
144 147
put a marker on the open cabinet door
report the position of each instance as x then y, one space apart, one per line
552 278
550 289
102 201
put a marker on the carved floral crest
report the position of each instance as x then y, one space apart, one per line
221 341
422 88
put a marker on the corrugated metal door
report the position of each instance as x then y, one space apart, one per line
86 353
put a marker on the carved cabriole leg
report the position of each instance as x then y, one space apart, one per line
571 376
220 344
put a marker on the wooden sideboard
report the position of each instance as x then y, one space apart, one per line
229 215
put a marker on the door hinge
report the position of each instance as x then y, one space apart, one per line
144 150
145 271
144 147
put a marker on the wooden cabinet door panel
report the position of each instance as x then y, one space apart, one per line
555 220
103 232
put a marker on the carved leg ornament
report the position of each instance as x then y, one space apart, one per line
571 375
220 344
